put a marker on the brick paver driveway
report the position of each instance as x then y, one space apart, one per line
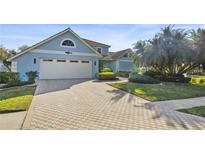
80 104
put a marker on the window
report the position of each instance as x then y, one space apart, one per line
85 61
68 43
99 50
34 60
74 61
126 55
61 60
48 60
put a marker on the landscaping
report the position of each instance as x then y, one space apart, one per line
198 79
135 77
11 79
16 99
162 91
107 74
166 59
199 110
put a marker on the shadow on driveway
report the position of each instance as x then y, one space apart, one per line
46 86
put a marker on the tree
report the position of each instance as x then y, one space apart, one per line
198 37
169 53
3 53
23 47
11 53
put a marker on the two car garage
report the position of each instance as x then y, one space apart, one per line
65 69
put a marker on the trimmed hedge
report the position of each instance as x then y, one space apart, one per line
106 70
123 74
9 77
107 76
138 78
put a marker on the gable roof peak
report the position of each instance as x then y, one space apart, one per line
52 37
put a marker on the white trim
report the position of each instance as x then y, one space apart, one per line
67 46
14 66
117 66
74 53
126 60
52 37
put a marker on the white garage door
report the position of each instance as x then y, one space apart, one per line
65 69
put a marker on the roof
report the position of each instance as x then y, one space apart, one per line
52 37
117 55
95 44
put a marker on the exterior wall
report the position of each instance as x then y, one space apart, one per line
121 65
105 51
55 44
112 65
25 62
125 66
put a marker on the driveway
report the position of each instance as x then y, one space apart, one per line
81 104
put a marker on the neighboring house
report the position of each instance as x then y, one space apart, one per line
2 67
66 55
120 61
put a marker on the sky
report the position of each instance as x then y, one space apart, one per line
118 36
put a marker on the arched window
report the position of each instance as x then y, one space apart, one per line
68 43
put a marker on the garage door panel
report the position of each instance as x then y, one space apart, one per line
65 69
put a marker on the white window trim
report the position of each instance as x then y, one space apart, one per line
99 48
67 46
14 66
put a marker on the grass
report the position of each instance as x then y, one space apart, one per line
199 110
198 80
16 99
163 91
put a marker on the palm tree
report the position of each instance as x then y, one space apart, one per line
169 53
198 38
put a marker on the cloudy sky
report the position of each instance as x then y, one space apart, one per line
118 36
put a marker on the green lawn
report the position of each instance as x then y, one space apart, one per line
163 91
200 111
16 99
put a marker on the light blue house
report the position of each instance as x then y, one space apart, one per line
66 55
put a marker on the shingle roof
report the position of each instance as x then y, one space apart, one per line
95 44
117 55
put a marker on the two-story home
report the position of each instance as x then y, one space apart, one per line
66 55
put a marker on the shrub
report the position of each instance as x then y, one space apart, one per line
106 70
202 81
107 76
31 75
123 74
151 73
180 78
9 77
135 77
19 83
176 78
194 80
